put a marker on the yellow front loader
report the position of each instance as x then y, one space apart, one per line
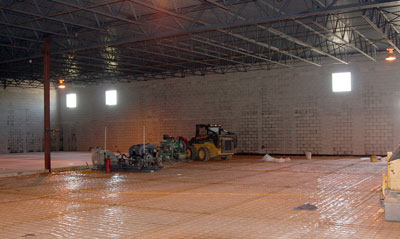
211 141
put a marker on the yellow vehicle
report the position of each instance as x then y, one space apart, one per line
211 141
391 187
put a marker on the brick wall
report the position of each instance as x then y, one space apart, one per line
21 120
281 111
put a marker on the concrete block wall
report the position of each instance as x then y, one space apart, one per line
281 111
21 119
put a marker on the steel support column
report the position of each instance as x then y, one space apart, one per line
46 84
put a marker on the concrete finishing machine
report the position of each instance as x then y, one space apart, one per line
173 149
141 158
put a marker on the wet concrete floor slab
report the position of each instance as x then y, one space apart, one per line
11 164
239 198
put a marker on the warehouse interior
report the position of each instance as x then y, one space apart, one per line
309 89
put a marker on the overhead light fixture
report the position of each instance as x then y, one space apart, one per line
61 85
390 56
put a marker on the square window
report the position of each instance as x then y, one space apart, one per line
341 82
71 100
111 97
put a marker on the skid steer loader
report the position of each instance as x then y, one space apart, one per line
211 141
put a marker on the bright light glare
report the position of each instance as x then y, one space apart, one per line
71 100
390 58
111 97
341 82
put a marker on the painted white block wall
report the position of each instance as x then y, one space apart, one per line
281 111
21 119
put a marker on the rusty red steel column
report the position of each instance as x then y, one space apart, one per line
46 84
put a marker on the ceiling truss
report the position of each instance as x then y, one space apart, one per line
94 41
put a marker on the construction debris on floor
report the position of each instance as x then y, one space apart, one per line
269 158
238 198
306 206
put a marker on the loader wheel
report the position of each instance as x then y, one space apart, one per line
191 153
203 154
159 162
226 157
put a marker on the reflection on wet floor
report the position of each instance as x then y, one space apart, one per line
240 198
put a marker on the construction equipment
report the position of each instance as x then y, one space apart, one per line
211 141
391 187
171 148
141 158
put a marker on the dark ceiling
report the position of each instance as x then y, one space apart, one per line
94 41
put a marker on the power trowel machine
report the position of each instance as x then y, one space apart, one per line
142 157
173 149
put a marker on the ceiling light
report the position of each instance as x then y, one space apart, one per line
390 56
61 85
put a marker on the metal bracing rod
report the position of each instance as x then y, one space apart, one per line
308 28
35 29
301 43
145 72
289 38
158 63
396 17
351 27
214 57
221 30
135 49
90 7
233 49
20 38
377 19
122 63
170 56
334 9
79 63
26 80
51 18
220 55
103 61
261 20
354 32
39 74
194 21
15 47
204 54
346 42
127 78
262 44
92 71
96 11
243 52
217 4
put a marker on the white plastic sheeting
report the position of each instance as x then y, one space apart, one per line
269 158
